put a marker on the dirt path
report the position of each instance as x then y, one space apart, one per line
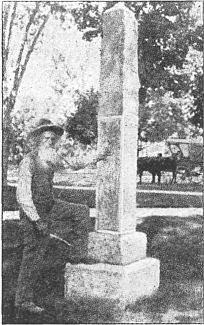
138 190
141 213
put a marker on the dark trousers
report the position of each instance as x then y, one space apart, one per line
67 216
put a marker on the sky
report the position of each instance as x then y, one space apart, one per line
82 58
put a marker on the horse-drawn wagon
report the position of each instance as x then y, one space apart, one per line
189 157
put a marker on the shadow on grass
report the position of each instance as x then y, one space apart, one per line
176 242
50 284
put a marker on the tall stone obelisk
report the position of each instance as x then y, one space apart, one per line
120 270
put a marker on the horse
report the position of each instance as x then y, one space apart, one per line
169 164
155 165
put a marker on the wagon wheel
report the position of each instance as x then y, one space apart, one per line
183 175
197 175
187 175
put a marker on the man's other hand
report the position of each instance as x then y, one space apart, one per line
42 227
103 155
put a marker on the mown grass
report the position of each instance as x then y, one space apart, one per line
88 196
176 242
88 178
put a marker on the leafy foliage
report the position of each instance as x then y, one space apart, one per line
23 25
197 110
158 106
82 125
162 115
22 122
166 32
170 45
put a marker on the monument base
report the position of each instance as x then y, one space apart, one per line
114 248
119 284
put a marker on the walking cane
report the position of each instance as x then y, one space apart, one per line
60 239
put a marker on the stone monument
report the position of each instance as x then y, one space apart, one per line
120 270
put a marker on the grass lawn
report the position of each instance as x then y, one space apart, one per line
176 242
88 178
171 187
146 195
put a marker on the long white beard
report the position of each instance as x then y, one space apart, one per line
49 155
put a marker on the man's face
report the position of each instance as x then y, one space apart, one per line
47 150
48 140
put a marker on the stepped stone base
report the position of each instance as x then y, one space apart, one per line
119 284
113 248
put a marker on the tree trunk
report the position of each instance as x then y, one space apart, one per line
8 107
5 156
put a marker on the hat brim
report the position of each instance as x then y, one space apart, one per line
53 128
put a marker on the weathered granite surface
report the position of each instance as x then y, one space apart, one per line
119 82
124 274
116 181
123 284
118 122
115 248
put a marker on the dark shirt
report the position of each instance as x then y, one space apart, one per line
35 187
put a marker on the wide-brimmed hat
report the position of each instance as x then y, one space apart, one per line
46 125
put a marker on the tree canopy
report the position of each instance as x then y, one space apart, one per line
23 25
82 125
166 32
160 116
170 45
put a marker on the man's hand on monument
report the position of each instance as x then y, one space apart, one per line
103 155
41 227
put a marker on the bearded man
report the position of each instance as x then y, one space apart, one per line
38 209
